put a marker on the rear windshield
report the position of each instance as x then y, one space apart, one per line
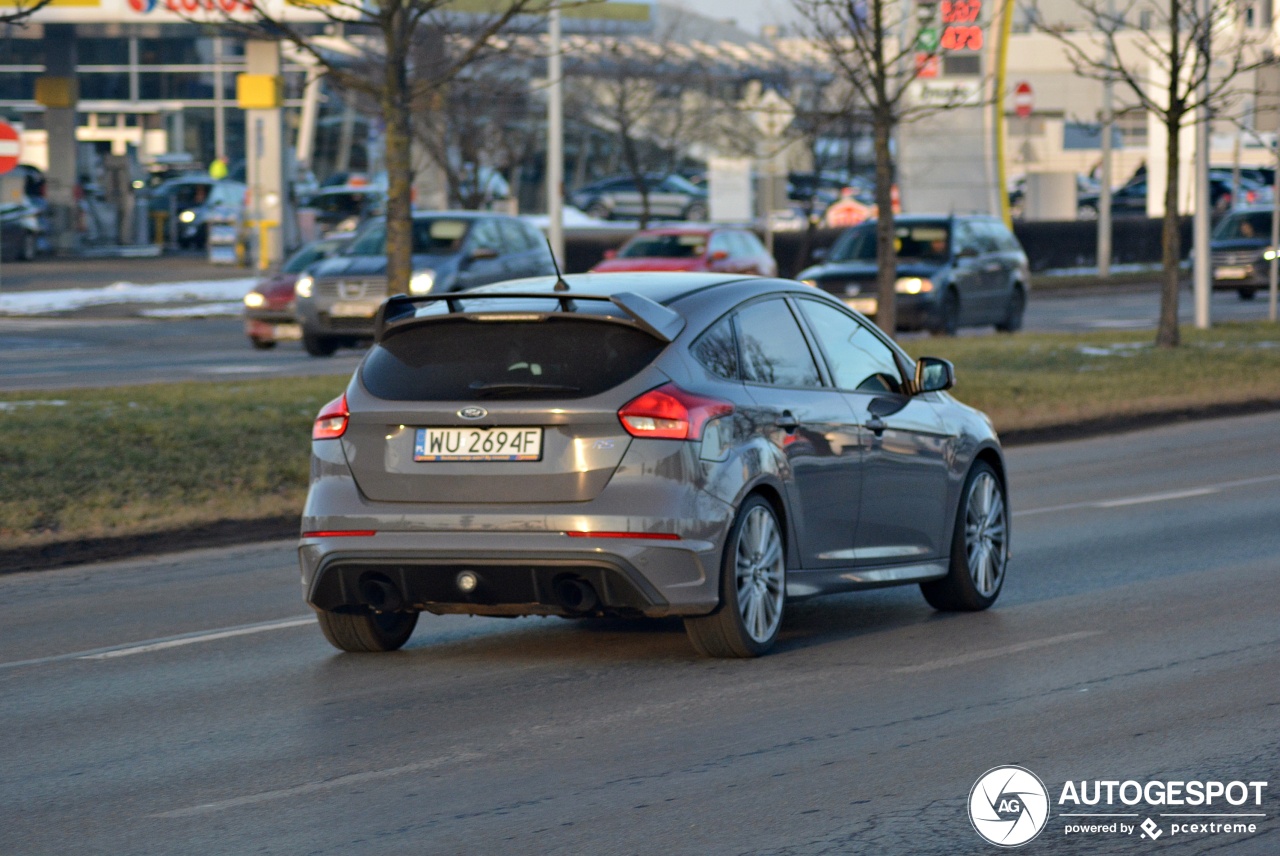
464 360
664 247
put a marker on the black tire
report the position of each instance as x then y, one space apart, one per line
974 582
599 210
262 344
948 321
696 213
1012 322
367 632
319 346
1246 293
754 564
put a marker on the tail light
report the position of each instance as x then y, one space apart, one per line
332 421
670 413
1251 196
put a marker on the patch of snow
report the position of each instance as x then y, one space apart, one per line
203 310
69 299
14 405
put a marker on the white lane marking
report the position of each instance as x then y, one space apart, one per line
991 653
165 642
313 787
1205 490
203 637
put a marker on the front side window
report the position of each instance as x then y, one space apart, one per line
857 358
664 247
773 349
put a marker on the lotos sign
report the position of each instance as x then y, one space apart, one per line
182 11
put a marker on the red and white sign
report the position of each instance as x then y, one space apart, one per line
10 147
1023 100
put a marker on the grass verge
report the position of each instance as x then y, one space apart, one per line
123 462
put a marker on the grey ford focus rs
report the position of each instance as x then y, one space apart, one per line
695 445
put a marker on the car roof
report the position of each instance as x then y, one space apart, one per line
682 230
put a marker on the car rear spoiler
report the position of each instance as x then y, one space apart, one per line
650 316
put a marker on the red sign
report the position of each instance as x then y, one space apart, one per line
928 65
10 147
1023 100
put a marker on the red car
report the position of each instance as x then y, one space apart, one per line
726 250
269 308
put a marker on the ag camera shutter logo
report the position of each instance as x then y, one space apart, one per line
1008 806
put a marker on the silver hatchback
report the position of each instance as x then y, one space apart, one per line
695 445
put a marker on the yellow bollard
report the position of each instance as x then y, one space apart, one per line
158 222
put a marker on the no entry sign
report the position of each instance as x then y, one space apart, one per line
10 147
1023 100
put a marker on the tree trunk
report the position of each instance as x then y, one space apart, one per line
395 115
886 247
1167 335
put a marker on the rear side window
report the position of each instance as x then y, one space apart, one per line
717 350
463 360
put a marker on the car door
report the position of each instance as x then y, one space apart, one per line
904 474
967 270
810 424
482 260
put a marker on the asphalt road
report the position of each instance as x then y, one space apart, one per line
90 350
188 704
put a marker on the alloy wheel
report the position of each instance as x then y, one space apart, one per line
985 538
760 572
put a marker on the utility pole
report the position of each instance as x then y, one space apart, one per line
555 138
1108 126
1204 204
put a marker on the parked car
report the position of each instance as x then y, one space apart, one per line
726 249
1239 250
452 251
671 197
22 230
270 309
702 446
343 209
954 271
1131 199
192 199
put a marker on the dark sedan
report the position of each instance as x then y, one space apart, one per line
701 446
1241 251
953 271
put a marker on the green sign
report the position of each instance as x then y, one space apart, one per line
927 39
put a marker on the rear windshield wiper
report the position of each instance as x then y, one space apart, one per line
497 390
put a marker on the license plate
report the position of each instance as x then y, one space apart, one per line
286 332
1232 272
478 444
354 309
865 305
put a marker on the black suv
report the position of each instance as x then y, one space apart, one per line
1239 251
953 271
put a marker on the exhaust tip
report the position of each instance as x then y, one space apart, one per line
576 595
380 593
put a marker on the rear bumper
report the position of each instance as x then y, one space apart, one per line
517 573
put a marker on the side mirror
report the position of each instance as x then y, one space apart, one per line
719 256
610 254
482 253
967 253
934 375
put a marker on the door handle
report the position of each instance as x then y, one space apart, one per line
876 425
787 422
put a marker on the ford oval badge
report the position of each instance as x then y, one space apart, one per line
473 413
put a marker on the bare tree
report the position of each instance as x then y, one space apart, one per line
22 10
861 39
1161 68
653 94
406 54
